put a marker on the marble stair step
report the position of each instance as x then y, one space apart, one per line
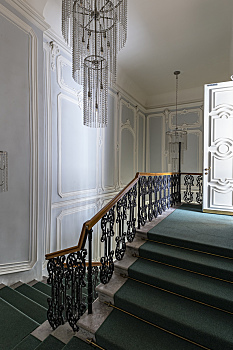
107 291
121 267
89 324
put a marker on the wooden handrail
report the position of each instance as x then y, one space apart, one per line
90 223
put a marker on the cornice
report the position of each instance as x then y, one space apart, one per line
30 13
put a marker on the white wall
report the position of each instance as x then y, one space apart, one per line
160 120
86 166
22 136
61 172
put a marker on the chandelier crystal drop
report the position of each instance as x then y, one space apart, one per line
176 140
96 30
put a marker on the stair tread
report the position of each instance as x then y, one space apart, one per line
24 304
76 343
50 343
28 343
124 332
152 273
15 325
175 312
154 251
191 242
42 287
190 224
33 294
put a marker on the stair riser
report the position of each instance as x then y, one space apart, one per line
183 330
220 303
191 245
189 265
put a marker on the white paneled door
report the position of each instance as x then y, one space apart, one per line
218 148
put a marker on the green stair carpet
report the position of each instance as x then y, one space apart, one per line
50 343
22 311
14 326
33 310
177 306
28 343
184 314
77 344
33 294
42 287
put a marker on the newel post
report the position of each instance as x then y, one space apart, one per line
139 196
89 280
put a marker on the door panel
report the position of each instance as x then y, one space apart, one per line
218 148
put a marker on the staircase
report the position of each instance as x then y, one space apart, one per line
23 320
169 292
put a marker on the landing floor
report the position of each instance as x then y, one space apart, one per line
190 223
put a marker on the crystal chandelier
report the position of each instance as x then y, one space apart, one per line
176 140
96 30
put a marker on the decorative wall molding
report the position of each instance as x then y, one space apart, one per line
134 109
30 13
64 62
199 135
67 203
148 151
61 97
141 115
48 140
187 125
132 130
103 188
51 35
54 50
66 212
33 139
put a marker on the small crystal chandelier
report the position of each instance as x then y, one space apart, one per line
96 30
176 140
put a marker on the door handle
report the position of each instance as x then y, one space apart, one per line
207 170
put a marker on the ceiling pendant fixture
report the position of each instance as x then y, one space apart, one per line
176 140
96 30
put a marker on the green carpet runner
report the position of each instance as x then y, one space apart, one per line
190 300
22 311
174 298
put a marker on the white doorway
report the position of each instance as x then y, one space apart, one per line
218 149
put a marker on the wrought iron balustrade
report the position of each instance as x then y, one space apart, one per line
72 273
191 188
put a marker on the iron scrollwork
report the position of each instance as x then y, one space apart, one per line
143 207
75 283
199 195
120 220
175 189
150 195
131 222
67 279
188 194
107 265
159 194
56 304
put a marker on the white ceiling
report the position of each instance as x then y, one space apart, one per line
193 36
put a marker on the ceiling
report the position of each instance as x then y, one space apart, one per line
193 36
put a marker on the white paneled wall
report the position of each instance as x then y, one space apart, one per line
190 118
18 137
60 172
87 166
